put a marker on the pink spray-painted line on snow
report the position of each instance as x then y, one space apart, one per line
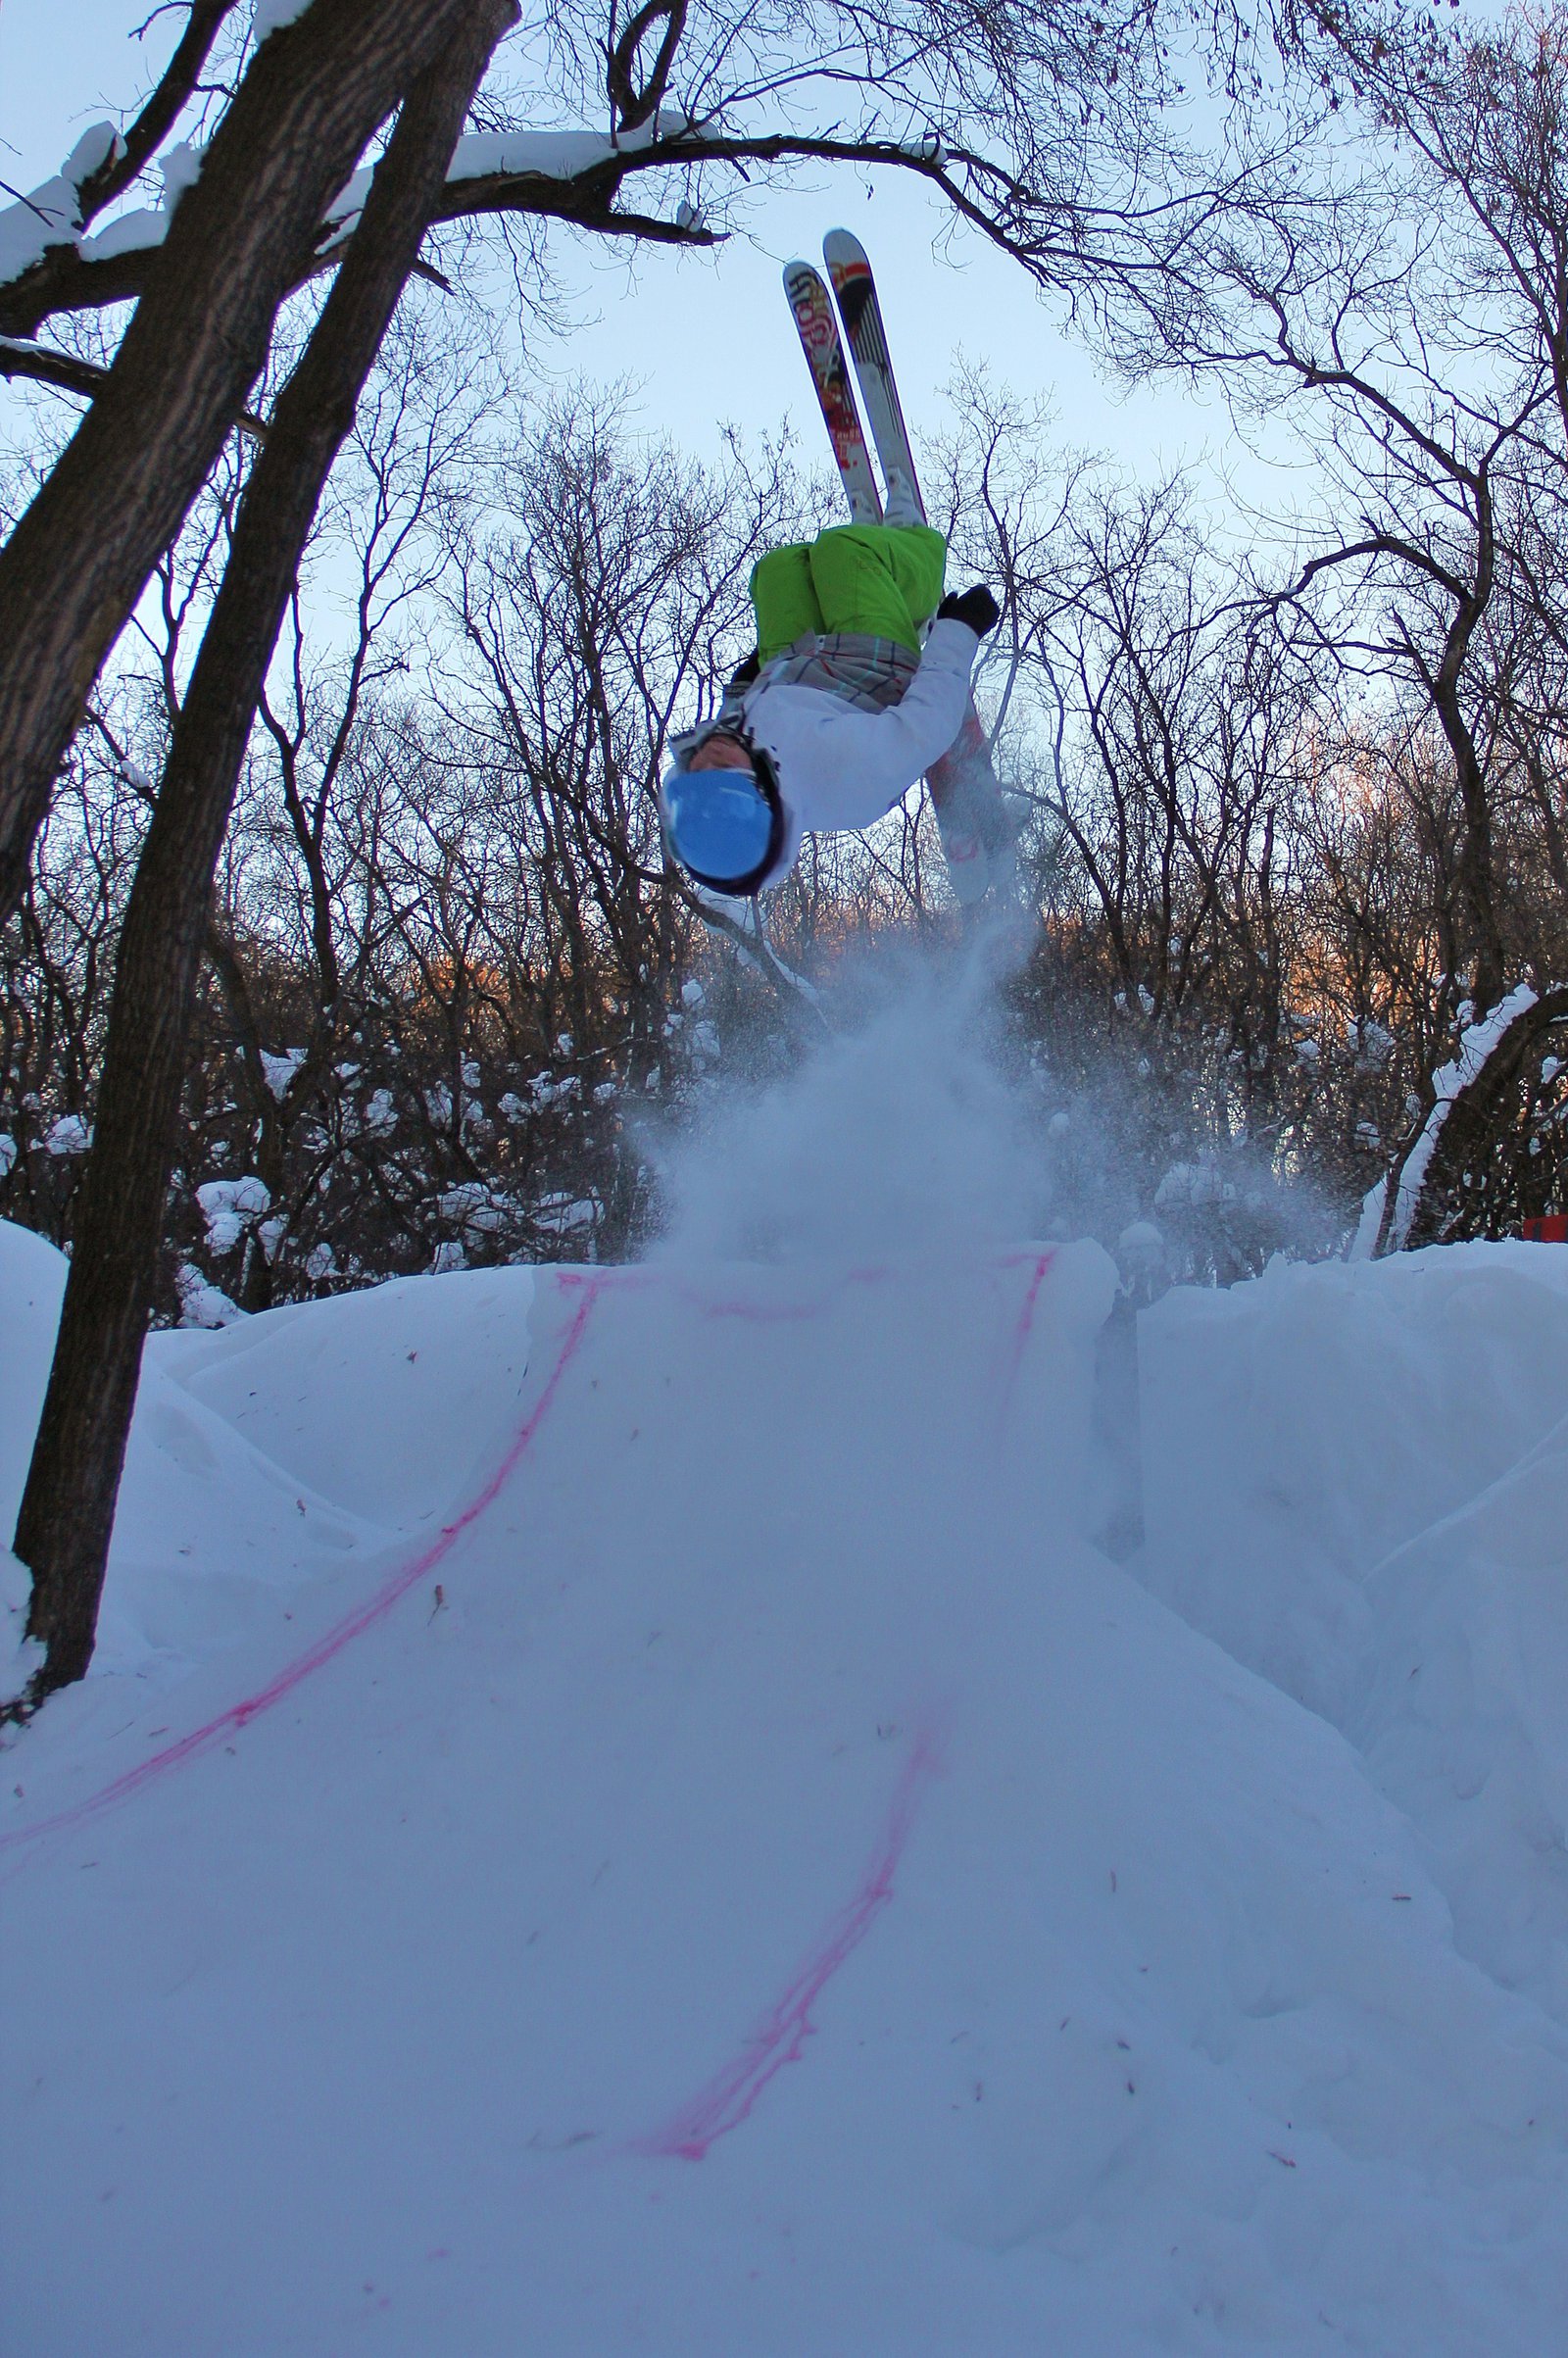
1041 1262
342 1633
780 2038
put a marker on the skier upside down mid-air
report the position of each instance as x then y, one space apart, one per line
839 712
841 709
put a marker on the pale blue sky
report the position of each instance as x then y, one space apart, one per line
707 335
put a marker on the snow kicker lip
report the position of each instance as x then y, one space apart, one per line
590 1287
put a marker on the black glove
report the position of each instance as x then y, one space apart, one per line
744 674
976 609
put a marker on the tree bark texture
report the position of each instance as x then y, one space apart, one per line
1477 867
77 561
67 1515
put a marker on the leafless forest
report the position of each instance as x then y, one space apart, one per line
450 990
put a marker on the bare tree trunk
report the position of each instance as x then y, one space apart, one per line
75 566
1477 869
68 1507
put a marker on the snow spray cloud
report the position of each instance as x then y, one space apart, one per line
947 1112
1144 1151
899 1135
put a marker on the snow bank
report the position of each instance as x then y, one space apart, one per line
384 1402
32 1280
264 1459
1357 1480
744 1876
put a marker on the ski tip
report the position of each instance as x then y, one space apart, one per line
796 270
842 246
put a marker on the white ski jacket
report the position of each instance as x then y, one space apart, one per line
838 766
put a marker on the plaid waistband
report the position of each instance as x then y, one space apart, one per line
868 672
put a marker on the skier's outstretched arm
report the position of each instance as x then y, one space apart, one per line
875 758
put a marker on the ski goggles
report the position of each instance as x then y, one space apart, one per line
726 826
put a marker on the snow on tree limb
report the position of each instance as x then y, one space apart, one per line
103 164
512 156
490 171
556 155
136 147
1385 1225
52 214
271 16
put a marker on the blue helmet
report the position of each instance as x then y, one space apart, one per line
726 826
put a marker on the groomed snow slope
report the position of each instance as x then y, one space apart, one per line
626 1813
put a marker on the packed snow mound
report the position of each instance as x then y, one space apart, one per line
1357 1480
1335 1410
378 1400
32 1280
746 1872
267 1455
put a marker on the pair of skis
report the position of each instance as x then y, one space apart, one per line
977 838
817 326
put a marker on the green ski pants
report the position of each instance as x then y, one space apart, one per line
880 579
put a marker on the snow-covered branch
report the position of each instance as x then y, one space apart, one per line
53 216
51 262
1387 1224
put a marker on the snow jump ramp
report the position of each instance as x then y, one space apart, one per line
737 1871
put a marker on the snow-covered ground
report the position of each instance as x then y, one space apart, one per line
628 1811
